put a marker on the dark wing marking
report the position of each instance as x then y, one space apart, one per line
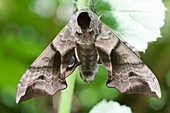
126 71
47 73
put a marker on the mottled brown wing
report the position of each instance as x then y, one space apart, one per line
47 73
126 71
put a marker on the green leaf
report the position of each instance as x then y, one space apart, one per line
67 94
16 55
110 107
135 21
82 3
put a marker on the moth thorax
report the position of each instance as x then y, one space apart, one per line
83 21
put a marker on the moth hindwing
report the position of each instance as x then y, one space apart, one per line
86 42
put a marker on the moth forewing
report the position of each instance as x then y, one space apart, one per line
47 73
126 71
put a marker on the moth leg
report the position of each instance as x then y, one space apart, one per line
74 6
92 6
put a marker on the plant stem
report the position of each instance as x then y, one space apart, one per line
66 95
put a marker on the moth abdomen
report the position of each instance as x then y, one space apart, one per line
88 59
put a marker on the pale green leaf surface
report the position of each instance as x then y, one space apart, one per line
110 107
135 21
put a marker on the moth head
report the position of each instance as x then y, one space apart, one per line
85 21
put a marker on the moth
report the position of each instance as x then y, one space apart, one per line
86 42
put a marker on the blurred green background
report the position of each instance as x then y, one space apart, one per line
28 26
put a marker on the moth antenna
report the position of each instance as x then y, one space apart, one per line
92 6
74 6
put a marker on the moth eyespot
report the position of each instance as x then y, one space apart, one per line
71 63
